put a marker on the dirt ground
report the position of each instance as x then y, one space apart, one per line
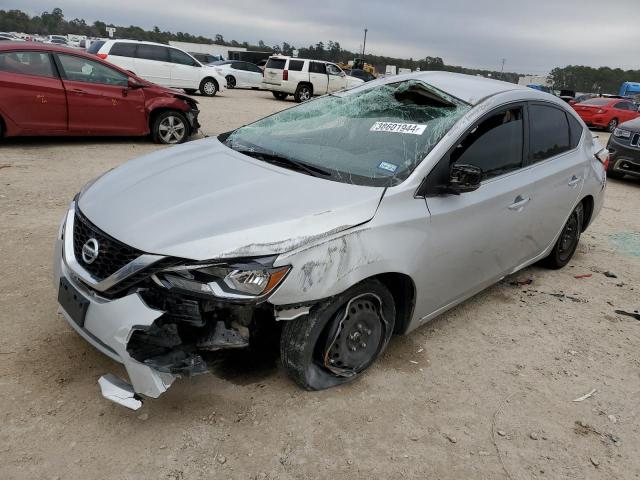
486 391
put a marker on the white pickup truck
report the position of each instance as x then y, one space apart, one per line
304 78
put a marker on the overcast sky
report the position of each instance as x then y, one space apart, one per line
533 36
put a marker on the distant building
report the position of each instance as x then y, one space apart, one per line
543 80
227 52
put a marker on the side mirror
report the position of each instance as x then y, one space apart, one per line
464 178
133 84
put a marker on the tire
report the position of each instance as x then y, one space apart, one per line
568 241
613 124
317 350
209 87
303 93
231 81
170 127
280 95
190 91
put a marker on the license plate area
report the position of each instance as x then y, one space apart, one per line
72 302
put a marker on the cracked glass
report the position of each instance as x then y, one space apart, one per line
372 136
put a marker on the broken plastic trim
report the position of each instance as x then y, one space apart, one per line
119 391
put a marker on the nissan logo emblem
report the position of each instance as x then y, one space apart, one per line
90 251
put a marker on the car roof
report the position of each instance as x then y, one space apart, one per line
139 42
42 46
468 88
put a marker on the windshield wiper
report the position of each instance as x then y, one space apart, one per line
285 162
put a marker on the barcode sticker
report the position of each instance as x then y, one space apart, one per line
391 127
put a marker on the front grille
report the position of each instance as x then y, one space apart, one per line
635 140
112 254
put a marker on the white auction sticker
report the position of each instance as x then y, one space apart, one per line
412 128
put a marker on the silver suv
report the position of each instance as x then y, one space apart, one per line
335 224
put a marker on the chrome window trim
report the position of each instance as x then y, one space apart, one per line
133 267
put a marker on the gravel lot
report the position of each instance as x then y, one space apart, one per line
484 392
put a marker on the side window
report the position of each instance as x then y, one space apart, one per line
622 106
296 65
333 70
153 52
181 58
317 67
27 63
123 49
549 132
239 66
495 145
80 69
575 129
254 68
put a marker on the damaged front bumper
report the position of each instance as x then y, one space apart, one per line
158 335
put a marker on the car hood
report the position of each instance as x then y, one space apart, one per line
632 125
353 81
202 200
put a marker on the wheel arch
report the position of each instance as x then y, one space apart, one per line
308 84
209 77
588 204
403 290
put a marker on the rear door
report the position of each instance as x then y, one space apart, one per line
318 77
477 237
31 95
254 75
152 63
337 78
99 99
185 71
556 168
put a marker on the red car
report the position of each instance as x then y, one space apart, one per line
50 90
606 112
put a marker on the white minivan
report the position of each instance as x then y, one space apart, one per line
161 64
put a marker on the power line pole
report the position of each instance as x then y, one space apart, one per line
364 44
504 60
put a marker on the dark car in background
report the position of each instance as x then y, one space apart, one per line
624 150
50 90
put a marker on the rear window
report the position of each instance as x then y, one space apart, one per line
549 132
153 52
122 49
597 101
277 63
95 46
296 65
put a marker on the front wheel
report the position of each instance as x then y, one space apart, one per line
567 244
613 124
231 81
170 128
208 87
340 338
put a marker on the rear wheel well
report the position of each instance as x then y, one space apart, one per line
308 84
587 204
403 290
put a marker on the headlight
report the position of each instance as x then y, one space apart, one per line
620 133
246 281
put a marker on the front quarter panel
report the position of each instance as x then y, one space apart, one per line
392 242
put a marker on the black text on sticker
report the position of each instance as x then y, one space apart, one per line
412 128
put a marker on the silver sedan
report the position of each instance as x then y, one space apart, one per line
334 224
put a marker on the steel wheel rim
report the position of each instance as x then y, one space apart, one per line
231 82
172 129
209 88
356 339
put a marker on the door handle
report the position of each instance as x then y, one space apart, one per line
574 181
519 203
78 91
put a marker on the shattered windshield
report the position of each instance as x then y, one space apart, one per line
374 136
